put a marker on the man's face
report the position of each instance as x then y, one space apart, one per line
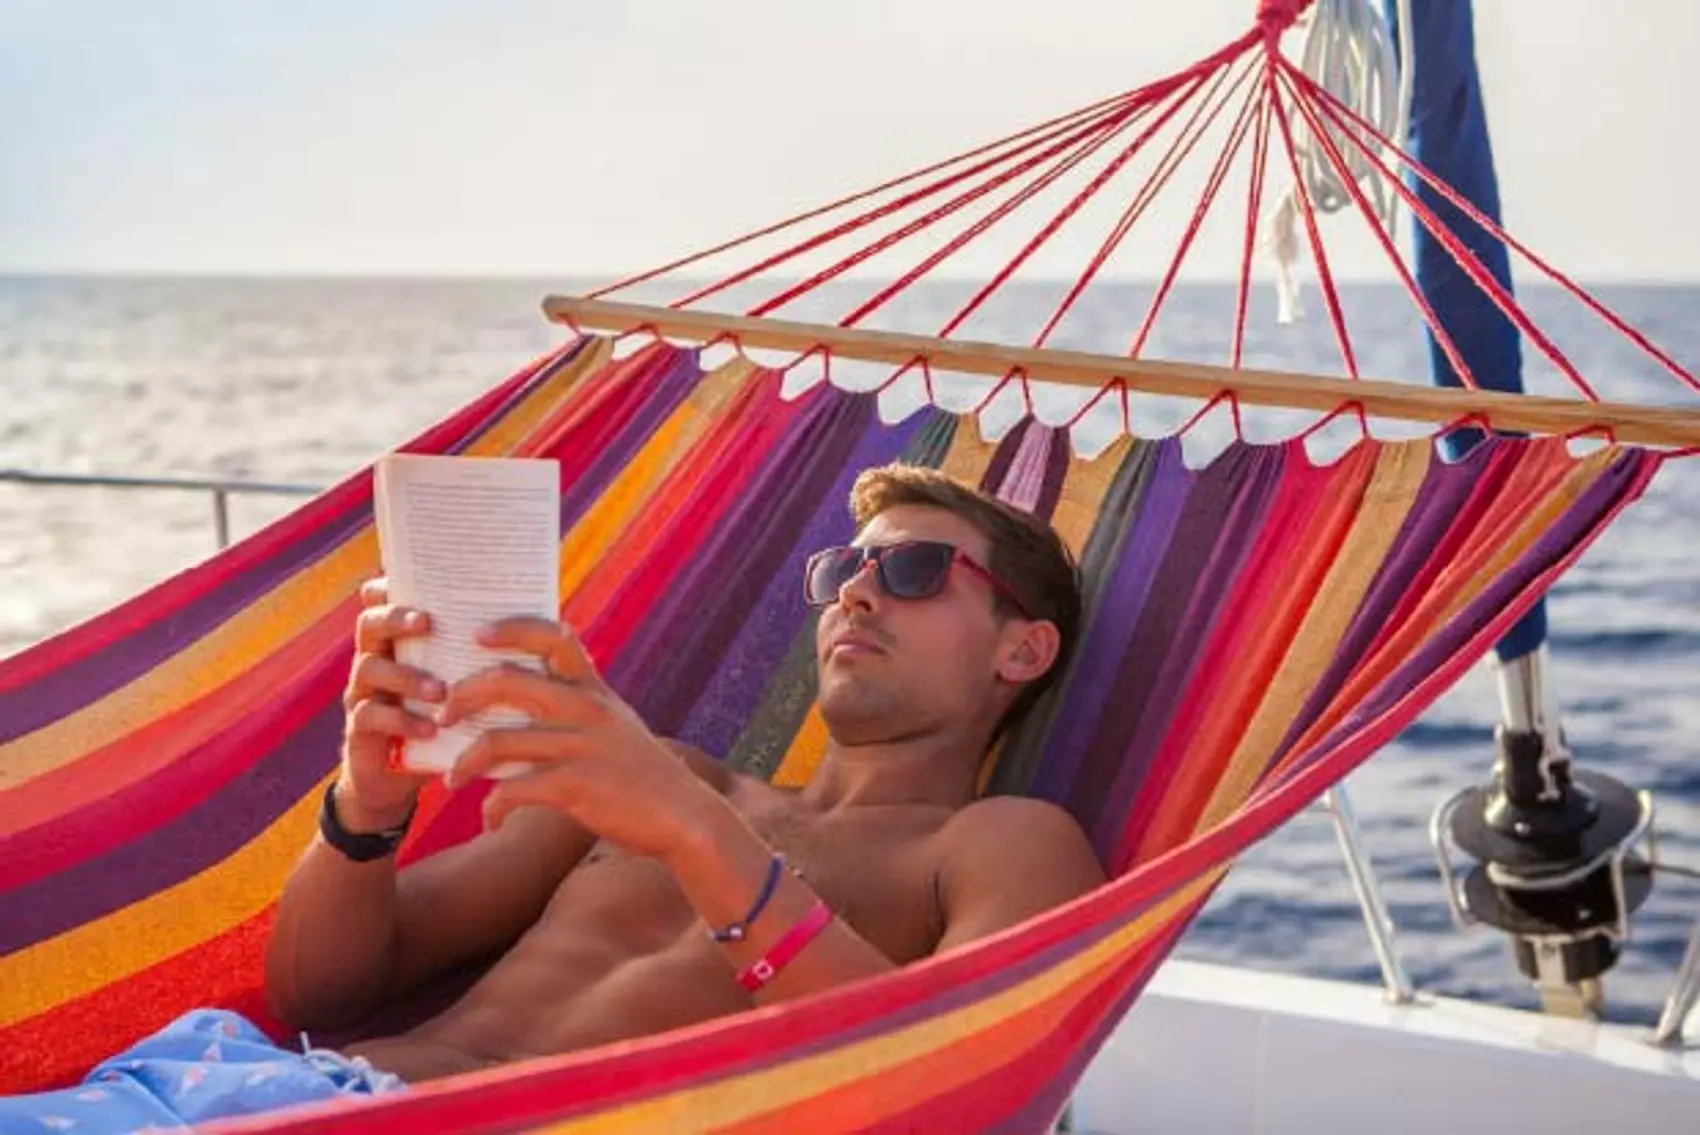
896 668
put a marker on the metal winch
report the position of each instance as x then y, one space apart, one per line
1561 857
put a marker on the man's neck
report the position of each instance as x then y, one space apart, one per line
925 771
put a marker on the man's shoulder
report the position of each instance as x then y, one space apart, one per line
1015 825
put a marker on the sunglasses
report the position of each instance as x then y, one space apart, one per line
914 569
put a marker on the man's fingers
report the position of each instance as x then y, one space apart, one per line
536 695
375 592
387 720
497 747
550 788
377 627
376 674
555 643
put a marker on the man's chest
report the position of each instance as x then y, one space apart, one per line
877 874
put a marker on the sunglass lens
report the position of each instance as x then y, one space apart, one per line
829 571
916 571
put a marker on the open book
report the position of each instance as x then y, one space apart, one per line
467 540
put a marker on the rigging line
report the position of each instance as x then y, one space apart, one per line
1447 346
1092 188
1230 149
1061 121
1050 177
1454 245
1159 177
863 219
1464 205
1091 137
1325 276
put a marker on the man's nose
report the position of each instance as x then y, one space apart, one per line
861 591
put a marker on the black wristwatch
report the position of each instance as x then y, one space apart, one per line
362 847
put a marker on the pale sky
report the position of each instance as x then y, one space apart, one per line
568 138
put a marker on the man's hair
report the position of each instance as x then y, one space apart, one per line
1026 553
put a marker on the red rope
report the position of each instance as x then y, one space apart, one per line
1083 138
1233 401
1080 200
879 299
1276 16
1254 205
1454 245
1179 150
1333 154
864 219
1059 122
1330 295
1317 426
1236 136
1339 109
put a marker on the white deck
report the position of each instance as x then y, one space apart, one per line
1220 1050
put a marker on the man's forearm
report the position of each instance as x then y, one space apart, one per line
332 946
721 871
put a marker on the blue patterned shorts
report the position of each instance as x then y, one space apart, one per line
206 1065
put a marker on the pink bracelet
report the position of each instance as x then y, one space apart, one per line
765 968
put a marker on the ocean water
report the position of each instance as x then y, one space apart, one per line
304 381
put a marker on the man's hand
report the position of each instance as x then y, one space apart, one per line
373 792
591 755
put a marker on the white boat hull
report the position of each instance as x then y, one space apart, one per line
1223 1050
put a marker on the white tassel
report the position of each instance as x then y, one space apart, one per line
1281 244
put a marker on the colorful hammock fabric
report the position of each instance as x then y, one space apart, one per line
1257 628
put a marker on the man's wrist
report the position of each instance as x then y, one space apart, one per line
358 819
707 823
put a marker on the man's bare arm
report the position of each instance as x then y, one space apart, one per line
351 935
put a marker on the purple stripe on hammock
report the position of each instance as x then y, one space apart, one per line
1058 460
1221 517
766 634
1121 598
712 598
1004 454
653 643
76 684
195 841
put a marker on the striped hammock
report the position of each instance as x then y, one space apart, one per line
1256 629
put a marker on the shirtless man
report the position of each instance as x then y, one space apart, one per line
614 872
605 869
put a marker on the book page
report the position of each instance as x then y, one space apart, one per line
469 541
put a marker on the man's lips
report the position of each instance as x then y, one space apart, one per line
853 644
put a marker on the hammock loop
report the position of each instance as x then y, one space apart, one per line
1475 418
1604 431
654 332
1357 409
1232 398
992 394
1116 384
903 370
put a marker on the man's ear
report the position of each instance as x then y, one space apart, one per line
1031 652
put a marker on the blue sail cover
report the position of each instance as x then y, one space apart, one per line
1449 135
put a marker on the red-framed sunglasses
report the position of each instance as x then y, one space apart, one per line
914 569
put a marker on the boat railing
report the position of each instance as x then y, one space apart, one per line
220 489
1360 868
